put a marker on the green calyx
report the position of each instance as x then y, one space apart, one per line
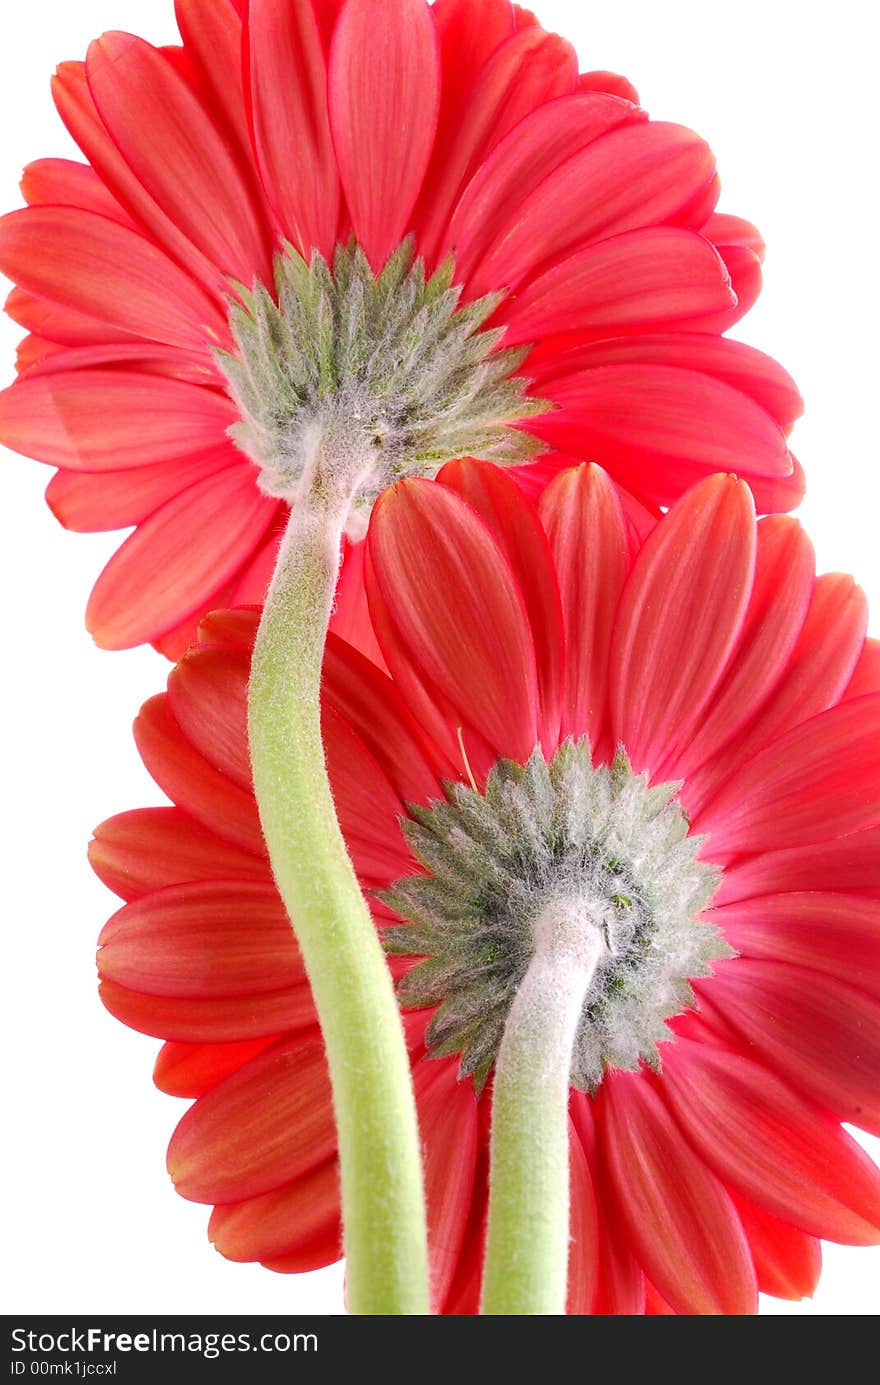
597 839
384 375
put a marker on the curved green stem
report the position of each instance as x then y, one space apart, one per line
526 1269
382 1199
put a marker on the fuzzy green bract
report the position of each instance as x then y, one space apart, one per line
598 838
387 375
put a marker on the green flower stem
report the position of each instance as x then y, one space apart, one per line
382 1199
526 1269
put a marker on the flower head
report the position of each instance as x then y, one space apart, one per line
526 650
308 129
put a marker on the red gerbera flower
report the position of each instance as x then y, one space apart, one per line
309 124
546 666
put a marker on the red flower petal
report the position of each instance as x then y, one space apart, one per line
621 1286
814 679
778 494
351 618
540 144
581 513
680 613
299 1223
270 1123
94 420
732 362
230 629
733 231
207 694
866 674
194 785
100 268
384 91
834 933
640 175
463 1299
152 582
91 501
185 166
194 1020
770 1144
583 1254
468 35
287 74
476 648
190 1070
660 429
64 326
502 506
143 850
370 703
655 1305
530 68
787 1262
212 37
448 1121
641 280
678 1216
817 781
64 183
783 588
76 107
204 940
608 81
847 863
368 809
440 720
822 1034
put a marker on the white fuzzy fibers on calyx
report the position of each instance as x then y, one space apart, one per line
374 377
591 851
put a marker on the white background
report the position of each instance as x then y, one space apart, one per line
783 92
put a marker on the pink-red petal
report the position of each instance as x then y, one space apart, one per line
103 419
447 1112
102 269
267 1124
287 75
817 781
658 429
90 501
640 281
190 1070
207 939
194 785
834 933
787 1262
780 599
635 176
143 850
822 1034
186 166
502 506
766 1141
815 677
154 581
384 92
582 515
207 693
679 617
458 610
298 1223
678 1216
